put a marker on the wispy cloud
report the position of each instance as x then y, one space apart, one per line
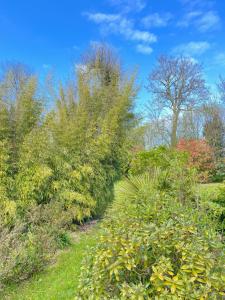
192 48
219 59
197 4
208 21
46 66
144 49
189 18
203 21
156 20
121 25
126 6
101 18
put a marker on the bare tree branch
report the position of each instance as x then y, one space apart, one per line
221 87
176 84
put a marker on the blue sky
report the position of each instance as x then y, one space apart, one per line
51 35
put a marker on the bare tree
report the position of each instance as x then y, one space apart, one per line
156 133
191 124
214 127
221 87
177 85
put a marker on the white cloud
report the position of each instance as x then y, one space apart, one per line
192 48
188 18
144 49
100 17
203 21
129 5
138 35
81 68
118 24
156 20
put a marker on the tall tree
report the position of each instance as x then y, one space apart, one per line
214 130
176 84
221 87
20 106
191 124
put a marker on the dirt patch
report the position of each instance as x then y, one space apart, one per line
87 227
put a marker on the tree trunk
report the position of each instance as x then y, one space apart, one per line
174 129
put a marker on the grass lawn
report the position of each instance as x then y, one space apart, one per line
60 280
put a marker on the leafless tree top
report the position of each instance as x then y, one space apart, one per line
177 83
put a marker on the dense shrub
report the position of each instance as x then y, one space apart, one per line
201 156
47 175
218 173
176 175
7 205
23 252
30 243
214 205
154 247
160 157
221 202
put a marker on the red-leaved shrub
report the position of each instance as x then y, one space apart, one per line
201 156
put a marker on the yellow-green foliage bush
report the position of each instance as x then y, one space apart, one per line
154 247
7 205
161 157
45 175
31 242
66 159
212 200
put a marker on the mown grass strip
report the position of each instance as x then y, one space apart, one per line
60 280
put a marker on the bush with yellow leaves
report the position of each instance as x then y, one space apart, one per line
154 246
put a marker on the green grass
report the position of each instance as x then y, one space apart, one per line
60 280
